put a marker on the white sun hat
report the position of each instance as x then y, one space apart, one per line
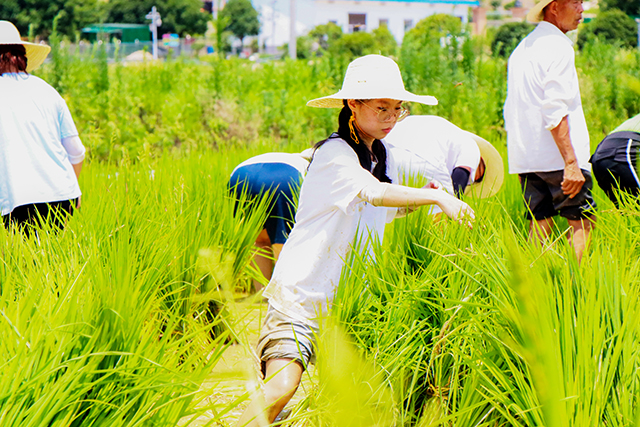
371 77
36 53
493 172
536 13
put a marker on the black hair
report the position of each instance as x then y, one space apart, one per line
364 155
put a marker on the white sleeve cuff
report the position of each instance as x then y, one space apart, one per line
75 149
374 193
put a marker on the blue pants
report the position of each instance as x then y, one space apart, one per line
282 181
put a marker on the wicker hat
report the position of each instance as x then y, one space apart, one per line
494 170
371 77
536 13
36 53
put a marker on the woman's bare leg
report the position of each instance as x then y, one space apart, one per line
283 378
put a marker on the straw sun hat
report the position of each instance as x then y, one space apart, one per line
494 170
36 53
536 12
371 77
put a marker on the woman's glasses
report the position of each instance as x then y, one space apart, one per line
385 115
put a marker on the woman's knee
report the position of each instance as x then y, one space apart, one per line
282 379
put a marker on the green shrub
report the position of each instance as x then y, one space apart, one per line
354 45
508 36
384 41
433 28
612 26
631 7
325 34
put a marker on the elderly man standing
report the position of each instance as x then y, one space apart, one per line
547 137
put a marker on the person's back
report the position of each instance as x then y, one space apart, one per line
433 147
615 161
35 165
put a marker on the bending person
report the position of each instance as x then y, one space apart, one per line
615 160
279 174
40 151
435 148
349 193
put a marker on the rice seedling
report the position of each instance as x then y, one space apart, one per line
119 319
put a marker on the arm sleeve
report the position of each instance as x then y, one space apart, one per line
460 178
336 177
374 193
75 149
67 125
560 85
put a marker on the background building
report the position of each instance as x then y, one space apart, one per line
398 15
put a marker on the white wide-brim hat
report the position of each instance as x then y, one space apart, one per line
36 53
371 77
493 173
536 12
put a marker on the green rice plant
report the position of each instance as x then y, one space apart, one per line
106 322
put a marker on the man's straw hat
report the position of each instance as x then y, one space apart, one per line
535 14
371 77
494 170
36 53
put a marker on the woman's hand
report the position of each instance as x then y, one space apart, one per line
456 209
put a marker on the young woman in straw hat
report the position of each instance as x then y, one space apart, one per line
41 152
348 194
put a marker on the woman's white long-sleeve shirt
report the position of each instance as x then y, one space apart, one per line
332 211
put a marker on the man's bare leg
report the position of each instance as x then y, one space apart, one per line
284 377
579 236
539 230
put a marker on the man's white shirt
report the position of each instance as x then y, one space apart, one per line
542 88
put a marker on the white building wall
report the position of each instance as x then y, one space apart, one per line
395 12
274 29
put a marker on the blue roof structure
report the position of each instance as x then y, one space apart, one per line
462 2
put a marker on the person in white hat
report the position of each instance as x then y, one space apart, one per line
348 195
41 153
547 136
277 176
436 149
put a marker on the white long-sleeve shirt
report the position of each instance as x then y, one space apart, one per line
331 213
542 88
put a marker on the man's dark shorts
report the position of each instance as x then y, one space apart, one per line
544 198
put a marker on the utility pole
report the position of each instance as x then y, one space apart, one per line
292 30
273 23
638 23
154 16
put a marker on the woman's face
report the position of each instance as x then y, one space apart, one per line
376 117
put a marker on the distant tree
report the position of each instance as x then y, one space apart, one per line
243 18
385 43
508 36
73 15
613 26
432 29
354 45
325 34
178 16
630 7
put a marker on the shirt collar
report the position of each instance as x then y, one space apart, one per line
549 28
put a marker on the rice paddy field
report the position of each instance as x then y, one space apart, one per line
124 318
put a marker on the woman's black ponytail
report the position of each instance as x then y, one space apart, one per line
364 156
